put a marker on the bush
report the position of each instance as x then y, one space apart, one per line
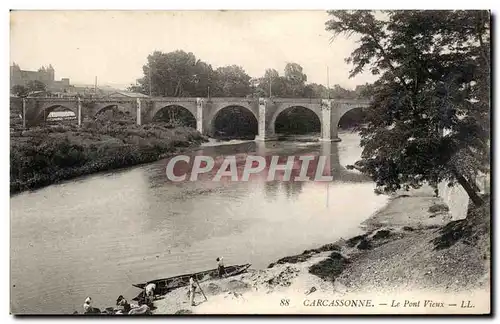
42 156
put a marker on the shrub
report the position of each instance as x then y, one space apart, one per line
41 156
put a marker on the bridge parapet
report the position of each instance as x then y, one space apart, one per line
358 102
230 100
297 100
169 99
55 99
111 101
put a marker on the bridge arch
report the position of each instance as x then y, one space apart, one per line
311 107
248 113
46 110
356 112
107 106
245 105
346 108
152 109
187 114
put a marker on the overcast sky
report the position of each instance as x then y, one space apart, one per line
113 45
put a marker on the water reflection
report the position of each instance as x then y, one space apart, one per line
271 189
240 152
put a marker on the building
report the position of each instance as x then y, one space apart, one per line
44 75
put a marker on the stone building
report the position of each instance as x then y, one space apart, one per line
44 74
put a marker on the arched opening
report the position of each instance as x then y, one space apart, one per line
115 113
174 116
58 114
234 122
297 120
352 119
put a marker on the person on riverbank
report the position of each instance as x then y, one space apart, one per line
123 304
192 290
87 307
150 293
220 266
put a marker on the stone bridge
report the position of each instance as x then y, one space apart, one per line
204 110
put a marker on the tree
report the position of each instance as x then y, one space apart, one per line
36 85
31 86
277 82
231 81
429 118
364 91
19 90
294 74
295 80
174 74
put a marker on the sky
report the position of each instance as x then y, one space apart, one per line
113 45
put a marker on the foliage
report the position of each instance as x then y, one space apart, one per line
174 74
31 86
231 81
42 156
429 118
181 74
19 90
36 85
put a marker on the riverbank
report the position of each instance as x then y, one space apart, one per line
41 156
410 252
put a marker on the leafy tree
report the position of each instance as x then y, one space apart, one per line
19 90
31 86
278 84
364 91
231 81
294 74
174 74
295 80
36 85
282 86
429 118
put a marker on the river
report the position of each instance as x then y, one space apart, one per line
96 235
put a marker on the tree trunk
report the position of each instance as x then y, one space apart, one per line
476 199
177 89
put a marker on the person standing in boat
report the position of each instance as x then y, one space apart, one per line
220 266
192 289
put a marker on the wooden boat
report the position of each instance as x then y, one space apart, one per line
165 285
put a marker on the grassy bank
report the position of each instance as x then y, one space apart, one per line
411 249
42 156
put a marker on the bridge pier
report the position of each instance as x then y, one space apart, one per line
24 113
139 112
326 115
200 104
264 133
79 112
329 128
